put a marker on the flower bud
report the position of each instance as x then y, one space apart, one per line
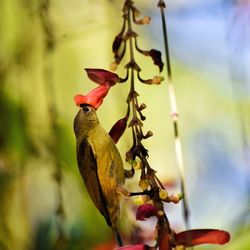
175 198
157 80
146 20
129 157
163 194
137 165
113 66
160 213
141 199
143 184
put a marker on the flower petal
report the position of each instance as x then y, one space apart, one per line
80 99
103 77
156 56
202 236
145 211
118 129
132 247
94 98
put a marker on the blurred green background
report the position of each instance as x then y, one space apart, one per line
45 46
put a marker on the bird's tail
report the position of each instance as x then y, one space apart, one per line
118 237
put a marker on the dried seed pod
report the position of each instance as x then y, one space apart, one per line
135 122
141 107
149 134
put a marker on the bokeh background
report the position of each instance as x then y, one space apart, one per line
45 46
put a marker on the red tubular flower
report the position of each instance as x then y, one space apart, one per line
103 77
145 211
196 237
94 98
118 129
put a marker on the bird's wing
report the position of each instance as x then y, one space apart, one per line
88 168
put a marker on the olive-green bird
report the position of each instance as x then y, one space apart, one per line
100 165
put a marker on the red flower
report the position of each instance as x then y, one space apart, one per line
118 129
187 238
94 98
196 237
103 77
145 211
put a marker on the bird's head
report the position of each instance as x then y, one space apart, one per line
85 120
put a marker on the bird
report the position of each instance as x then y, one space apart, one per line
100 165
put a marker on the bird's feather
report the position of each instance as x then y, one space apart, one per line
88 168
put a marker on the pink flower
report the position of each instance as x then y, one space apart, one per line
103 77
94 98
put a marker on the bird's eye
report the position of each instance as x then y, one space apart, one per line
86 109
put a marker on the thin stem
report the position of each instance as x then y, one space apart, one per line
130 38
161 4
174 115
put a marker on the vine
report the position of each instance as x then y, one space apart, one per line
126 41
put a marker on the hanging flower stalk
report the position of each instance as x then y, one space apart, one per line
137 156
